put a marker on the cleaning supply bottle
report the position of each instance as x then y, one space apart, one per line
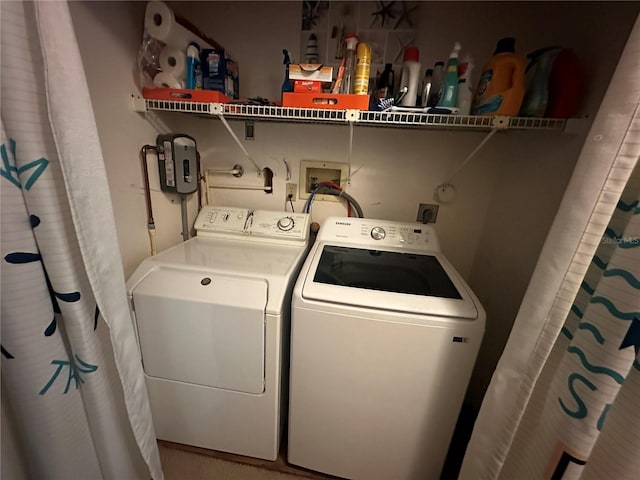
363 69
384 89
465 85
501 86
346 86
287 85
410 76
193 67
426 87
436 84
449 97
537 73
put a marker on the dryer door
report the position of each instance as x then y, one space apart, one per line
202 328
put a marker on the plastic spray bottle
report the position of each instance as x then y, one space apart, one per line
348 76
449 96
465 85
410 77
287 86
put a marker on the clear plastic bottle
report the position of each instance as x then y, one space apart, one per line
348 76
363 69
436 84
426 87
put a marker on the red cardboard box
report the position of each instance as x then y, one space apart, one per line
326 100
306 86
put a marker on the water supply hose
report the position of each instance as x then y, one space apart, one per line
151 225
334 189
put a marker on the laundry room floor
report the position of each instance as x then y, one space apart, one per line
181 462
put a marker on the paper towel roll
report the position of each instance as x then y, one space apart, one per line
166 80
161 24
173 61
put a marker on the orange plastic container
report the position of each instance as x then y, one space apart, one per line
502 83
330 101
183 95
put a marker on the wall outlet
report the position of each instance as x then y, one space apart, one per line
292 192
427 212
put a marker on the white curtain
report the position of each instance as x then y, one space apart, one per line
72 381
564 401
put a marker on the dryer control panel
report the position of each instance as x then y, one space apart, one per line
264 225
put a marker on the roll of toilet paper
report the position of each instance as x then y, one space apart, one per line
173 62
161 24
166 80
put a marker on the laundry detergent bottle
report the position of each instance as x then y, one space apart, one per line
501 87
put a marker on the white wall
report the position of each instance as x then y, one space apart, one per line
507 196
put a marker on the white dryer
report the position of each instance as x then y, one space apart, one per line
384 337
212 318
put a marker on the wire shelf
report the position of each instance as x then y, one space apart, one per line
368 118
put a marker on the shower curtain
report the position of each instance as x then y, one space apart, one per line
72 381
564 400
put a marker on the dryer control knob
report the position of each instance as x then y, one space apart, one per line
378 233
286 223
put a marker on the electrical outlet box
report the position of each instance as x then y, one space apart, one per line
292 192
314 172
427 212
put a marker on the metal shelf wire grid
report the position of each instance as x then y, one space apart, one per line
369 118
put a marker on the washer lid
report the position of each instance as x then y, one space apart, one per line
401 281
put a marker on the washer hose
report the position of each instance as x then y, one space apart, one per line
347 197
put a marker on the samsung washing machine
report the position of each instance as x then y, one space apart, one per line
212 321
385 334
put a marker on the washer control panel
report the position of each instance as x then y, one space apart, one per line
379 233
258 224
